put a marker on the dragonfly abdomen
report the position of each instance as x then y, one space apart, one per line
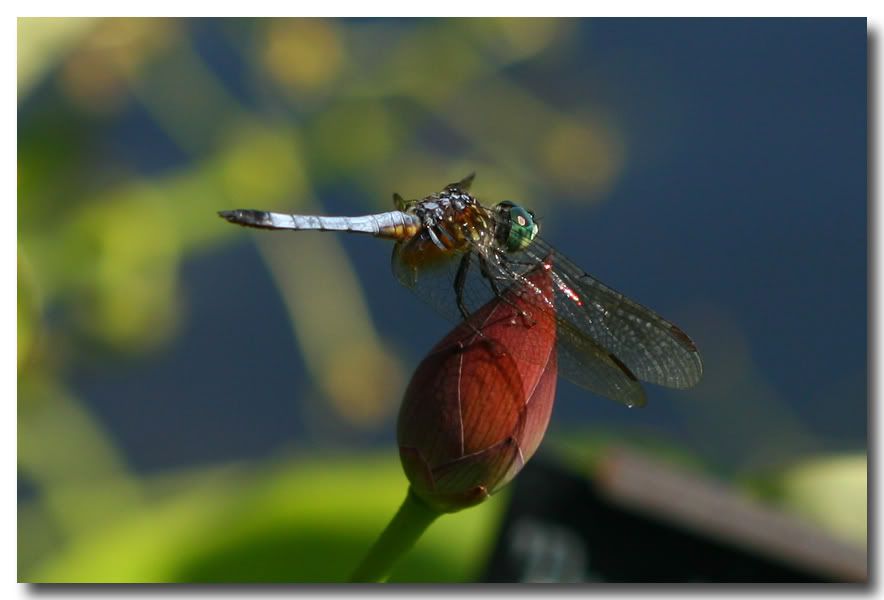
395 224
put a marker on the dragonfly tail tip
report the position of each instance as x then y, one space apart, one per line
250 218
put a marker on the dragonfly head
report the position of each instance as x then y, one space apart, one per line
516 226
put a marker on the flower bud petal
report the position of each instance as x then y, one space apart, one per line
478 405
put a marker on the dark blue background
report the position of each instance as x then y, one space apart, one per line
742 215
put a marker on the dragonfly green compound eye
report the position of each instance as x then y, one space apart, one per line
520 228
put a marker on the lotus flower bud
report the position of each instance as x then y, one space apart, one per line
478 405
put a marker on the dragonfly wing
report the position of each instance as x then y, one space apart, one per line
580 358
584 362
649 346
431 273
431 276
606 342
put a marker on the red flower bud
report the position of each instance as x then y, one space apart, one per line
478 405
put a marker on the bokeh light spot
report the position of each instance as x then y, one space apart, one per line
364 382
304 55
516 39
354 135
261 164
588 156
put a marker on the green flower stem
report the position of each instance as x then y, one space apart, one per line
410 522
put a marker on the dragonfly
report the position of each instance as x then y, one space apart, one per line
456 254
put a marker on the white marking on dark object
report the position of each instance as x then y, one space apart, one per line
547 552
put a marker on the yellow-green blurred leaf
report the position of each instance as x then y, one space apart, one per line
831 491
300 521
42 42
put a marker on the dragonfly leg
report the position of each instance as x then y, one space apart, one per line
492 281
460 280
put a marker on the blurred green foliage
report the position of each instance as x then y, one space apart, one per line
285 521
828 490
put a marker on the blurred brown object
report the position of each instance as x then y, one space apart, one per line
711 509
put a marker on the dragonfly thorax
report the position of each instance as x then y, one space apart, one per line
452 220
448 205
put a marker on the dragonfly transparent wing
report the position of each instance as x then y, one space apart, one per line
432 279
652 348
586 363
580 358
